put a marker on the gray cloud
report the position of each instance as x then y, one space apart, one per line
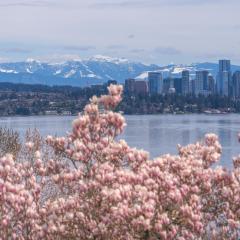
59 57
236 27
131 36
167 51
16 50
180 30
116 46
27 3
155 3
137 50
79 48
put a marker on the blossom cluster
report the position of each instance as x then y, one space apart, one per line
94 186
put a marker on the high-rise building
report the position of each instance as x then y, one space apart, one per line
129 86
155 82
236 84
167 85
224 78
185 82
114 82
177 83
192 86
225 83
211 84
224 65
141 87
201 82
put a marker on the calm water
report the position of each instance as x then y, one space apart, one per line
156 133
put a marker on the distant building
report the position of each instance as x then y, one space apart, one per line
141 87
185 82
155 83
129 86
114 82
53 112
172 90
100 88
167 84
224 65
201 82
177 83
224 78
211 84
192 86
66 113
236 84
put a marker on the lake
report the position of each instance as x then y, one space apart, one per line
157 134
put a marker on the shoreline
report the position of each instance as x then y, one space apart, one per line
125 114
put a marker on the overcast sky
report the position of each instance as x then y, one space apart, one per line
152 31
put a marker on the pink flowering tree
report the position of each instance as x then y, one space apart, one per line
89 185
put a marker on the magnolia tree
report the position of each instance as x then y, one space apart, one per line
89 185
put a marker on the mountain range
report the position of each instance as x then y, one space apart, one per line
95 70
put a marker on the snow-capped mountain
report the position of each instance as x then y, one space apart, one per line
95 70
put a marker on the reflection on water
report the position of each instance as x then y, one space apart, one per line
157 134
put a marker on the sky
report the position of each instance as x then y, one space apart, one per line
150 31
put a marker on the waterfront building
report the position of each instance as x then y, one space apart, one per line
114 82
155 83
224 65
172 90
236 85
141 87
177 83
129 86
201 82
185 82
192 86
211 84
224 78
100 88
167 84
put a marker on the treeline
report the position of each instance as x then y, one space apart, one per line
174 103
38 88
26 99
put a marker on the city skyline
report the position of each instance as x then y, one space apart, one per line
225 84
154 31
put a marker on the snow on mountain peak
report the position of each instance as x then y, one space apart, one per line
102 58
31 60
76 59
7 71
70 73
171 71
97 70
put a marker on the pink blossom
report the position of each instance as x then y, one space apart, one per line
92 185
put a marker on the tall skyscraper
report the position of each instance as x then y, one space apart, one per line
177 83
224 65
236 84
129 86
192 86
224 78
141 87
166 85
155 82
211 84
185 82
201 82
